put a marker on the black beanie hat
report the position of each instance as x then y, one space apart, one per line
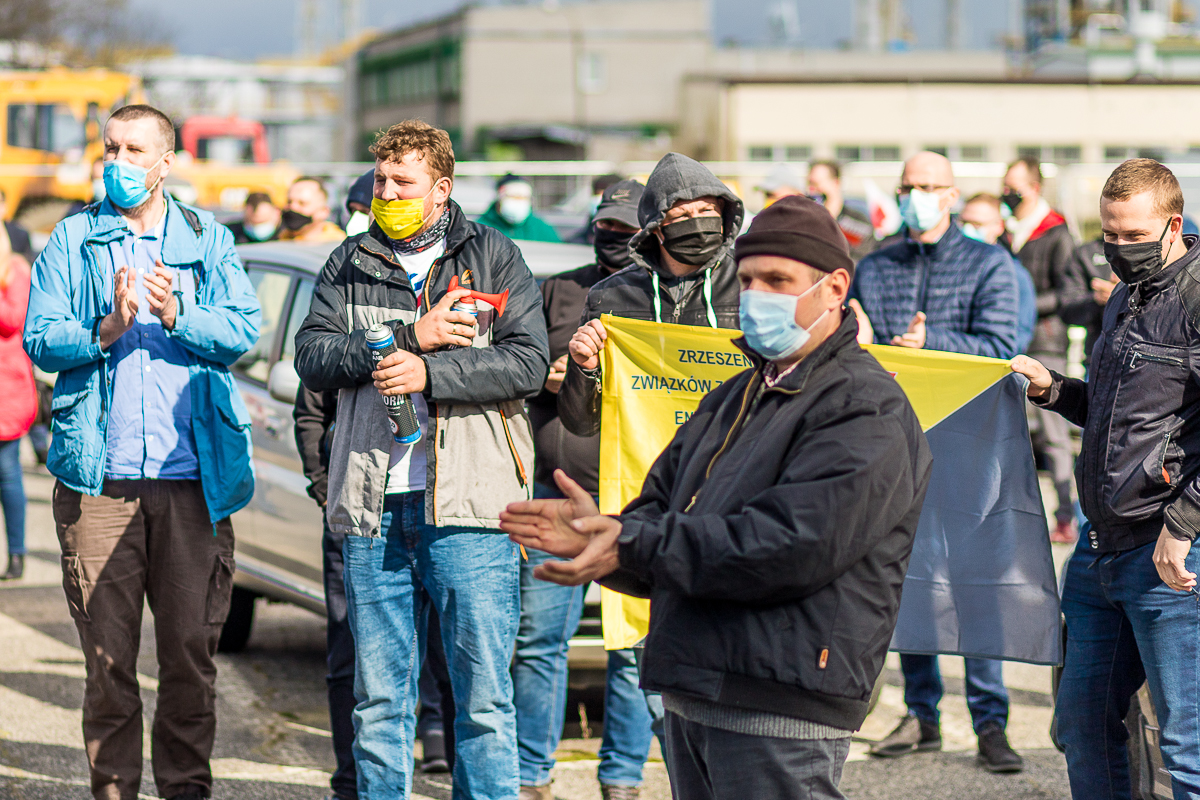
800 229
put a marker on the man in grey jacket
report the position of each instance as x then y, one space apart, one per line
420 520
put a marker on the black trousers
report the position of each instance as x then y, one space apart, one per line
711 764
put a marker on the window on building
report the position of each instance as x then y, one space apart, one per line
591 73
1029 151
885 153
1157 153
940 149
797 152
972 152
760 153
1066 154
847 152
1116 152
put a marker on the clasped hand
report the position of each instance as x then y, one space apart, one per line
160 298
572 528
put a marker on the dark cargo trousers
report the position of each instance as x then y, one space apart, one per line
146 540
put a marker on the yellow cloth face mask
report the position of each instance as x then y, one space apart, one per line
399 219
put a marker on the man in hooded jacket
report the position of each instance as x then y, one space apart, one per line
682 273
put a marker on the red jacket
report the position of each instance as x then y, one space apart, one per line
19 406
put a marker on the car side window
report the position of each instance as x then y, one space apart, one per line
301 300
271 286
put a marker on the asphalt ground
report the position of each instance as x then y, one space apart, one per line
273 727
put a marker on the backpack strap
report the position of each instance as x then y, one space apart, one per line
193 219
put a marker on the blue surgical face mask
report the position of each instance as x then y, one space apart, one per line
125 183
920 210
769 322
972 232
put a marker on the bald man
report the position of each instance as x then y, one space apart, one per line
940 290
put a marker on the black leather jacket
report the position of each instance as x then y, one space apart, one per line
1140 411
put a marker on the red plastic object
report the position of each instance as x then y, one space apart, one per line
498 301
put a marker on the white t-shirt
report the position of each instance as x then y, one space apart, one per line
406 463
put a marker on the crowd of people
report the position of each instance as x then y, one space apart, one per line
772 535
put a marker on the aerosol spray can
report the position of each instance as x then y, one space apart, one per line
466 305
402 415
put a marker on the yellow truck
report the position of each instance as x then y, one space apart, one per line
50 135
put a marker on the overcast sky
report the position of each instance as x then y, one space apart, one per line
263 28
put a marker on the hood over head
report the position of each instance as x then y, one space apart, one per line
677 177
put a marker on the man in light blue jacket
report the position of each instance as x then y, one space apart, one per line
141 304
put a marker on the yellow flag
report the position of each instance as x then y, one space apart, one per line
654 376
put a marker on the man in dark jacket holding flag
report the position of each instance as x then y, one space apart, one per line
772 534
1130 598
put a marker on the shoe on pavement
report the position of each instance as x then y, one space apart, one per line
1065 533
912 735
16 568
433 750
613 792
995 754
536 793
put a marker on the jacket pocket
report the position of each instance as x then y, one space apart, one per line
78 589
220 590
1164 462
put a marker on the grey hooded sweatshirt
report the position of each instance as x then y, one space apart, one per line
706 297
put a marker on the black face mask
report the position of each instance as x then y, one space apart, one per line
612 249
1137 261
1012 200
693 241
294 220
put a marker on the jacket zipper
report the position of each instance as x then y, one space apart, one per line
1175 362
1162 461
751 387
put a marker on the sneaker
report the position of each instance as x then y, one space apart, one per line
620 792
995 754
16 568
912 735
536 793
1065 533
433 748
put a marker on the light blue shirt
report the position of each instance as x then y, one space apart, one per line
150 422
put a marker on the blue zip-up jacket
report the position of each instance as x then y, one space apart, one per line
72 292
967 289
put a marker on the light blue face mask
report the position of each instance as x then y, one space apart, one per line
260 232
768 322
972 232
920 210
125 183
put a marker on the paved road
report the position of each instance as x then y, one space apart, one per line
273 739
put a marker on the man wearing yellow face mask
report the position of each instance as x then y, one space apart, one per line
420 521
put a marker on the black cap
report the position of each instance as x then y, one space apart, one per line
620 203
797 228
507 178
362 190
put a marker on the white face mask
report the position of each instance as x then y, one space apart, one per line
922 211
358 223
515 210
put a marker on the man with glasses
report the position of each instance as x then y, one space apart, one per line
940 290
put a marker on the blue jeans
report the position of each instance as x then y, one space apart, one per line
1124 625
549 618
470 576
987 699
12 495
